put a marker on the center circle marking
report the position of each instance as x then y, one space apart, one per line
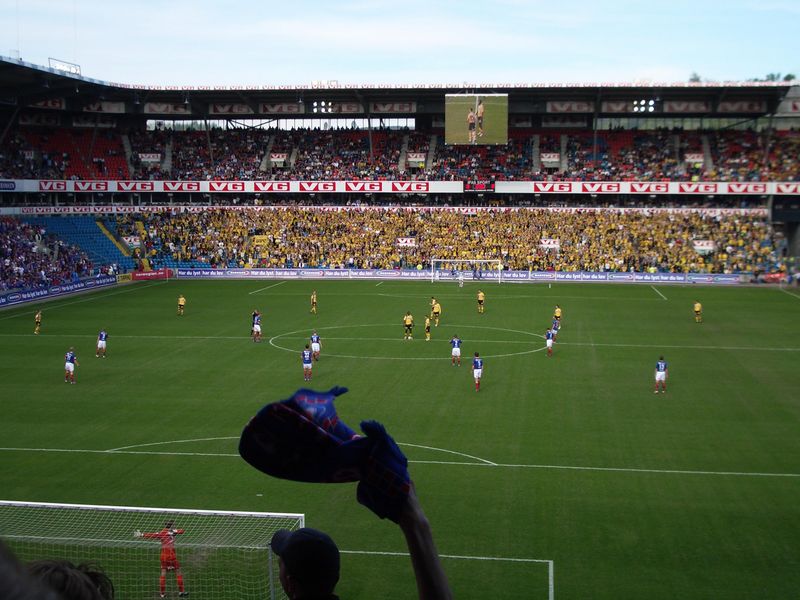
272 342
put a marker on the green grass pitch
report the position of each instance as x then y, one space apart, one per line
570 459
495 119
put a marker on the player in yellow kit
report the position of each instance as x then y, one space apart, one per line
314 302
37 319
427 329
698 312
437 311
408 325
181 304
481 298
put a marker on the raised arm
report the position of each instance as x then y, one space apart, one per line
431 580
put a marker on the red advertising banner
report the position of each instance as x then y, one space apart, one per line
51 104
686 106
570 106
722 188
150 275
116 108
164 108
229 109
381 108
281 108
742 106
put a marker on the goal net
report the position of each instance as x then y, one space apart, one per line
446 269
221 554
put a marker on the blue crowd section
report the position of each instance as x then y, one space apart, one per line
82 231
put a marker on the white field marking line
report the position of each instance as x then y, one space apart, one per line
287 336
652 287
549 298
379 283
208 439
434 462
109 452
592 344
483 460
236 437
90 298
790 293
551 589
416 358
394 339
455 556
268 287
144 337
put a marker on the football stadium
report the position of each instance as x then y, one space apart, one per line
568 329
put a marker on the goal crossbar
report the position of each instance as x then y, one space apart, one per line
443 269
217 554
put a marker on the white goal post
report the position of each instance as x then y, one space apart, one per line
221 555
451 269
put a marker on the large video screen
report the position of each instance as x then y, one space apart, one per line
476 119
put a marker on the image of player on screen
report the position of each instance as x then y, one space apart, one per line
479 114
471 119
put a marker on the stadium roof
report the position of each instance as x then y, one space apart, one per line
25 84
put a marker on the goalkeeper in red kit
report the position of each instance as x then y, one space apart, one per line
169 560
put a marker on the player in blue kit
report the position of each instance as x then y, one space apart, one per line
556 326
477 371
548 338
255 329
70 362
306 364
101 344
455 353
661 375
316 345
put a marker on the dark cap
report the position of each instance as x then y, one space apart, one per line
308 555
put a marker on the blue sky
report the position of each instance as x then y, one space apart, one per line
241 42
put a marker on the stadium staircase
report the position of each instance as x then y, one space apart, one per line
114 237
293 157
166 166
431 152
140 229
401 162
126 145
84 232
536 154
266 162
708 161
564 165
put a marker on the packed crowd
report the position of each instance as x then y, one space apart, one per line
240 154
30 259
218 154
601 240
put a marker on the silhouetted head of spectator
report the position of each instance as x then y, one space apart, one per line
73 582
16 584
309 562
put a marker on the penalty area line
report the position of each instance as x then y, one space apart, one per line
790 293
652 287
266 288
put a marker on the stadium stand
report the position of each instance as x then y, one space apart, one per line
345 154
593 240
83 232
32 258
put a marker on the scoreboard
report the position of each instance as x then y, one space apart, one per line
481 186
